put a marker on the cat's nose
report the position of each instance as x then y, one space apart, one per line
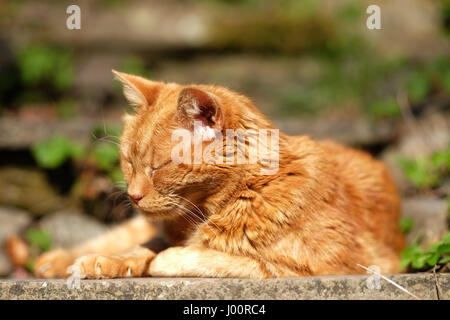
136 197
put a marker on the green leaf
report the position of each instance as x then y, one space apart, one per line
444 260
420 261
39 238
426 172
444 248
53 152
434 247
30 265
446 238
432 260
409 254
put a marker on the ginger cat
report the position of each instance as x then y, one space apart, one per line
324 210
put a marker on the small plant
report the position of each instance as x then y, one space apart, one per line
103 154
39 239
418 259
426 172
53 152
45 64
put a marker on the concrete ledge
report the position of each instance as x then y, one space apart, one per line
330 287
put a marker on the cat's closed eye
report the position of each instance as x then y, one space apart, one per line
149 171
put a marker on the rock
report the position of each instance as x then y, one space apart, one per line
421 137
430 218
15 133
426 135
391 158
353 287
12 221
353 132
145 26
28 189
70 227
443 286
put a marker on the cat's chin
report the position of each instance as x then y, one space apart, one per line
158 214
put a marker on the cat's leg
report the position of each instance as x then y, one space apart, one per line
196 261
123 237
133 263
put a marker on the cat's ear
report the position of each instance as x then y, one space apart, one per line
196 104
138 91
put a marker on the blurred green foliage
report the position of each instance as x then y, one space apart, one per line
38 238
53 152
67 108
406 224
104 153
30 265
445 15
426 172
418 86
134 64
40 64
419 259
387 108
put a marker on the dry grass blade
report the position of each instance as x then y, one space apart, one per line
390 281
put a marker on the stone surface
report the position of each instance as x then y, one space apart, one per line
69 227
330 287
430 218
29 189
12 221
443 286
15 133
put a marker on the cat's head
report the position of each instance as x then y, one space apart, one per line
157 185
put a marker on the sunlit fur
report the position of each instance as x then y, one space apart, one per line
326 209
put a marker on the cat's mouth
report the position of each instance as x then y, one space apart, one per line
159 211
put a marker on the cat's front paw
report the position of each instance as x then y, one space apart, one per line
53 264
172 262
96 266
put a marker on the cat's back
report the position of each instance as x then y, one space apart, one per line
369 185
358 166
